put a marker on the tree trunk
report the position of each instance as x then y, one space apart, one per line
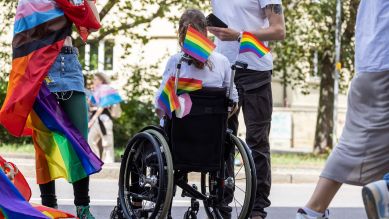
324 122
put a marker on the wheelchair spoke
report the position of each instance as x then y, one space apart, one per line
236 208
244 191
238 202
240 168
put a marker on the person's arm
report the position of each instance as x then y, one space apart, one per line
95 116
275 31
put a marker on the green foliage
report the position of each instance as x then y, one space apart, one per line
130 19
311 28
138 110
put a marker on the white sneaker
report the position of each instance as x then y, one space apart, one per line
301 214
376 199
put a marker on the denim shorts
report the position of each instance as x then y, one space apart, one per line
65 74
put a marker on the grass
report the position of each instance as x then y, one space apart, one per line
298 160
17 148
278 159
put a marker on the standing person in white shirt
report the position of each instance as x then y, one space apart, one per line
362 154
264 19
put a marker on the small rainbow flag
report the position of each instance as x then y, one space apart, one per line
168 101
197 45
186 85
250 43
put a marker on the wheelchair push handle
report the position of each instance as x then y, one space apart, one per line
184 58
238 64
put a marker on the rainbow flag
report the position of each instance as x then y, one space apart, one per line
51 212
168 101
14 197
249 43
197 45
60 149
12 203
40 29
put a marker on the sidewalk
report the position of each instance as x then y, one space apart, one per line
280 174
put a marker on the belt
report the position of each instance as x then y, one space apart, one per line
69 50
249 79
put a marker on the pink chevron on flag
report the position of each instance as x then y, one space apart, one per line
185 105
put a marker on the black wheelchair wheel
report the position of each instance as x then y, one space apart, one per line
190 215
239 185
253 173
142 179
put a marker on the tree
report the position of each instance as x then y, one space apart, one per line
128 18
311 29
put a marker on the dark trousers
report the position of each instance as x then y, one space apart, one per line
255 100
80 189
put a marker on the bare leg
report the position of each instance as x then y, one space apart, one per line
325 191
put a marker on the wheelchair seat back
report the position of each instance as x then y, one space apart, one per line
197 140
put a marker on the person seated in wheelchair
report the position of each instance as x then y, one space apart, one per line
215 72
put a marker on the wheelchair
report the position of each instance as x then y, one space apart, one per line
157 161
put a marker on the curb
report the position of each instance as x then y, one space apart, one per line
285 175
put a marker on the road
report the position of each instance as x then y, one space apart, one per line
286 198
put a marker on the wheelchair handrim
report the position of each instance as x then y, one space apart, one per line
126 204
248 200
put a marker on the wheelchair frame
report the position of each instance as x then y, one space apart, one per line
217 180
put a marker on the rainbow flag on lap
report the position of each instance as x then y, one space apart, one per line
197 45
168 101
249 43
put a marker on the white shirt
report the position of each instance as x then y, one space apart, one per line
243 15
219 76
372 36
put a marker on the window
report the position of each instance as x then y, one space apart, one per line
108 54
81 55
94 56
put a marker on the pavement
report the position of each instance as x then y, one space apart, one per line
280 174
286 198
291 189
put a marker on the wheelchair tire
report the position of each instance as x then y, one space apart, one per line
253 173
244 210
143 161
169 168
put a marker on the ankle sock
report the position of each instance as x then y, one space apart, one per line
312 213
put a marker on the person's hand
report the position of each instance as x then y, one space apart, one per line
234 109
224 34
160 113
